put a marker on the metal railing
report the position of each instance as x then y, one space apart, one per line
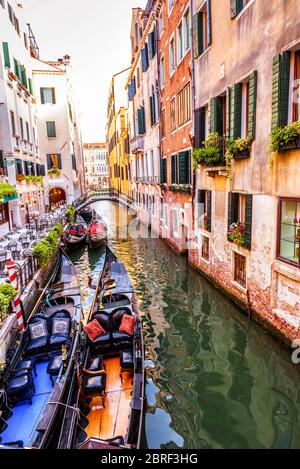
26 272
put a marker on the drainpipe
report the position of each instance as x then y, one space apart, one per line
193 82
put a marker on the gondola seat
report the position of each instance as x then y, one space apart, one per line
102 343
60 324
92 384
96 363
20 386
121 340
54 366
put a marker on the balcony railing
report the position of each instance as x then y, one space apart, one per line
137 145
147 179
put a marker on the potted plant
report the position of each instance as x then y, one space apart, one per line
7 293
285 138
7 191
211 153
237 233
202 221
54 172
239 148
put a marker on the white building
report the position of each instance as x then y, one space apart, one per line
144 131
58 131
19 149
96 165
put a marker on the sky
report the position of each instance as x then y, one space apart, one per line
96 34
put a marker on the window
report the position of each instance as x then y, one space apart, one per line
163 123
186 31
3 214
173 114
21 128
166 215
181 168
54 161
6 54
205 248
236 6
2 3
175 221
172 56
240 210
180 42
202 35
27 132
296 87
13 123
245 109
170 5
162 72
289 230
48 96
16 24
204 209
240 269
25 40
184 105
51 129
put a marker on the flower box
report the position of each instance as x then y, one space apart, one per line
221 163
242 155
292 144
237 233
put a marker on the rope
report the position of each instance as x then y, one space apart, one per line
76 409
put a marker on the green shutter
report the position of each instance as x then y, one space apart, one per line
199 127
248 221
30 86
233 201
252 105
236 111
216 115
24 76
208 210
51 129
228 100
280 90
163 171
6 54
184 167
174 172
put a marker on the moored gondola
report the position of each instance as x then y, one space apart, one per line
109 384
97 233
87 214
75 234
33 385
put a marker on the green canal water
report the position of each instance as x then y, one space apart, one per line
213 379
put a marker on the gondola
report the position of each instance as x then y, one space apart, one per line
109 385
97 233
75 234
34 383
87 214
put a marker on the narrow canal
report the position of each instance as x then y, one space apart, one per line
213 380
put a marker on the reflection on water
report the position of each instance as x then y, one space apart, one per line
213 380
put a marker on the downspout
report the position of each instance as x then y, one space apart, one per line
193 82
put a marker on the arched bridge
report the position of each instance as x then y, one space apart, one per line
91 197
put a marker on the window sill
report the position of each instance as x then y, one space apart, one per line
239 287
287 268
204 260
239 249
204 52
183 57
202 232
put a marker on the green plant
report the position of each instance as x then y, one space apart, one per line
236 233
7 190
280 137
45 248
36 180
7 293
206 155
71 214
234 147
58 228
210 152
55 171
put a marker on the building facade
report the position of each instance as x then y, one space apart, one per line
116 131
20 157
246 217
96 165
59 131
174 32
144 129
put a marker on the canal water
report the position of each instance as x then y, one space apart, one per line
213 379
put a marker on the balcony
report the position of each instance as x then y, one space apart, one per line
137 145
147 179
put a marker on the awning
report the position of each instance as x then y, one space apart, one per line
8 199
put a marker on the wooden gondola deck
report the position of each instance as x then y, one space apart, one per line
112 421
